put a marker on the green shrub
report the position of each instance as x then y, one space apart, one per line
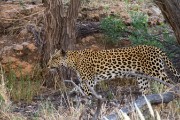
139 32
139 21
112 27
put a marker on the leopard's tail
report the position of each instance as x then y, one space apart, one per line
171 67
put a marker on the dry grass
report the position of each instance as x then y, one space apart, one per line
5 103
161 112
3 90
48 112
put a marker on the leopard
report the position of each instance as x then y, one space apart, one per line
93 66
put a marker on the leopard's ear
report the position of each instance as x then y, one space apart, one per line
57 53
63 52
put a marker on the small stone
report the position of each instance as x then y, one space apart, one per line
25 44
88 39
23 33
80 15
1 42
94 16
95 48
77 45
31 47
7 48
18 47
149 12
100 8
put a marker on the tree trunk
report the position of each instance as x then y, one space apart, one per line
59 29
171 11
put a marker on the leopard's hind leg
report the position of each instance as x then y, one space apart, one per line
143 84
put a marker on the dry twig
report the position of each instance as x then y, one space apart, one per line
76 86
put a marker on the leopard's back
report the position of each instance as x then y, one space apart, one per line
108 64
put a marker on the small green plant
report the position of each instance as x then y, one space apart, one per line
22 87
139 21
22 4
112 27
110 95
157 87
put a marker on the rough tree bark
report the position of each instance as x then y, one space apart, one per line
171 11
59 28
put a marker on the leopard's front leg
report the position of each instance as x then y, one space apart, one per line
86 88
90 85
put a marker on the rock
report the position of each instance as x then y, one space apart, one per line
20 68
102 15
26 1
31 47
95 47
101 7
4 49
1 42
79 15
26 68
25 44
23 33
18 47
124 43
149 12
77 45
155 10
88 39
155 20
94 17
6 59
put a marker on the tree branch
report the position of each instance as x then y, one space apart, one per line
98 110
148 77
140 102
76 86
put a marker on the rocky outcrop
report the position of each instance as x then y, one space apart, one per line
19 58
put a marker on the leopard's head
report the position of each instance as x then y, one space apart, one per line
57 59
